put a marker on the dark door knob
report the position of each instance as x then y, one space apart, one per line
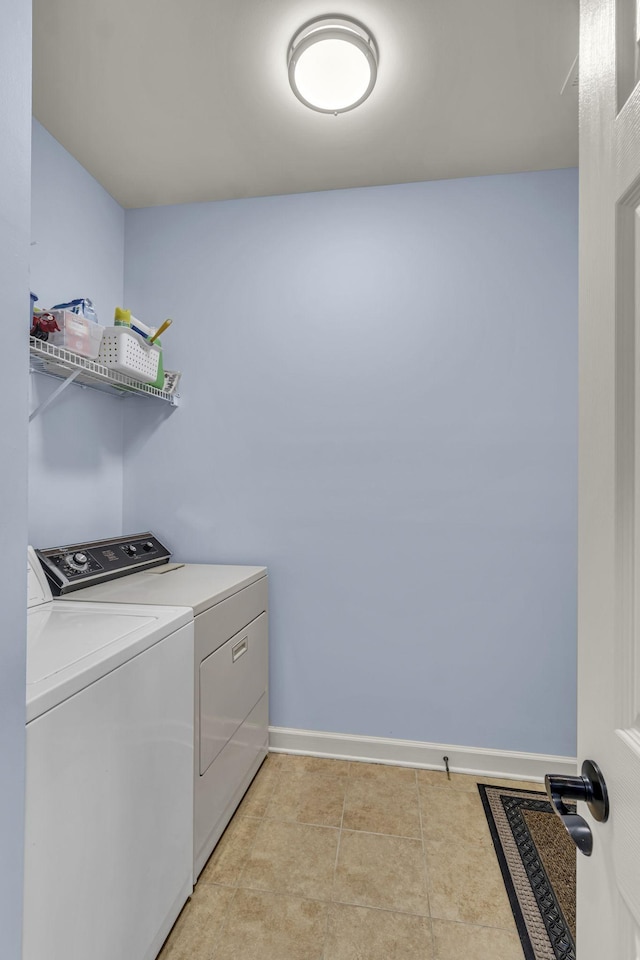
590 788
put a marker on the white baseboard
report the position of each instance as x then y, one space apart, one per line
478 761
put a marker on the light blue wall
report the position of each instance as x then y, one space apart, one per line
380 403
15 145
75 447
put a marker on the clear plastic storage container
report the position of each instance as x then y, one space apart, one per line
76 334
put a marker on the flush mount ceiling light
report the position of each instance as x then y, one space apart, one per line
333 64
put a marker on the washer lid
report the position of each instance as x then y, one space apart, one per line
71 645
58 637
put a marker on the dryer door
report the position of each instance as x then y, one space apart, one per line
232 680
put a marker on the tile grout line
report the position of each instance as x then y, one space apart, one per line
483 844
349 903
223 923
285 894
481 926
276 778
426 870
278 775
327 826
335 863
236 886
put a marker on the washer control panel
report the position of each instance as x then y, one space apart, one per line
82 564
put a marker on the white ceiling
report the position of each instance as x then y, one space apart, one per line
169 101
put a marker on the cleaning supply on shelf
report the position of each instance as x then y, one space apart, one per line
155 342
35 314
83 307
44 324
150 337
124 318
161 329
141 327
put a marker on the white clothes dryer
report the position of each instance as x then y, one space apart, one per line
109 786
230 608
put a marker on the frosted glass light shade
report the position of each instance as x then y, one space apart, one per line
332 64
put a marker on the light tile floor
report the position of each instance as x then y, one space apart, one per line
332 860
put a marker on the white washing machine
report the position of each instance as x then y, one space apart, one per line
230 607
109 787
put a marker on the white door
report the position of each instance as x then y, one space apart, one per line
609 471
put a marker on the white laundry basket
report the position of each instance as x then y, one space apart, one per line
126 351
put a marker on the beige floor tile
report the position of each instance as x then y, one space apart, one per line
382 806
377 871
381 771
230 855
308 798
256 799
274 871
197 929
465 884
456 940
465 781
292 858
358 933
265 926
292 764
453 815
272 762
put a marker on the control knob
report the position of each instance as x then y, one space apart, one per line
131 550
148 546
77 561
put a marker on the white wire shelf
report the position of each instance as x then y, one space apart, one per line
72 368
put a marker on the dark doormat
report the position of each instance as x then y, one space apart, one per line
538 863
